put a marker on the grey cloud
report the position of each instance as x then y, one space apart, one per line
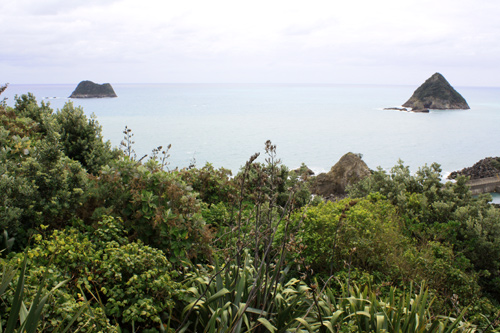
192 45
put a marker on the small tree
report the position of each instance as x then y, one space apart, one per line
81 138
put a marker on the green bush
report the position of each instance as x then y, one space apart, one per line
81 138
128 284
275 182
26 106
156 206
448 274
40 187
213 185
364 233
41 160
443 212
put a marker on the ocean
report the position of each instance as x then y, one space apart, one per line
224 124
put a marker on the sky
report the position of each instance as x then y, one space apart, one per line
258 41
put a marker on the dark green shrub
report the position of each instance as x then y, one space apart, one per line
213 185
81 138
443 212
40 187
266 180
157 207
448 274
26 106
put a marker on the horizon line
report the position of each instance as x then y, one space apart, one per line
247 83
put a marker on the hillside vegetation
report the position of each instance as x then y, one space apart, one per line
99 241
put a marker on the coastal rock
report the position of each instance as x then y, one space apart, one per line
436 93
396 109
485 168
349 170
89 89
408 110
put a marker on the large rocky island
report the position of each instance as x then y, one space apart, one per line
89 89
436 93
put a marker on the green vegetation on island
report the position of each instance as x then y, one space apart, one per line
436 93
95 240
89 89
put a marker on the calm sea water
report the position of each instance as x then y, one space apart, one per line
224 124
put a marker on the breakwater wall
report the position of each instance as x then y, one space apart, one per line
484 185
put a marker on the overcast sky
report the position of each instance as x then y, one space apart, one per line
257 41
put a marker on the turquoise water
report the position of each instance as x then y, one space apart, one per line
315 124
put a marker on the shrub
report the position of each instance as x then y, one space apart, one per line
365 233
26 106
443 212
81 138
38 186
128 284
213 185
156 206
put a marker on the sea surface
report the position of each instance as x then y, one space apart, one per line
224 124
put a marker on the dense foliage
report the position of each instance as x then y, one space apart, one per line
110 243
445 213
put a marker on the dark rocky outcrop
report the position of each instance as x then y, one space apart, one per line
347 171
436 93
396 109
410 110
485 168
89 89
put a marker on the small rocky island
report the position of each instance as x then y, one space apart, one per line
436 93
89 89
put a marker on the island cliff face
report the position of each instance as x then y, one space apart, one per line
436 93
89 89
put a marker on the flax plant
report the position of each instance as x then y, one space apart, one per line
361 310
226 302
249 291
22 319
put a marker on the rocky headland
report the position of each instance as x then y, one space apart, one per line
436 93
349 170
89 89
485 168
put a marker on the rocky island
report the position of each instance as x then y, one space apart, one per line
485 168
436 93
89 89
484 176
